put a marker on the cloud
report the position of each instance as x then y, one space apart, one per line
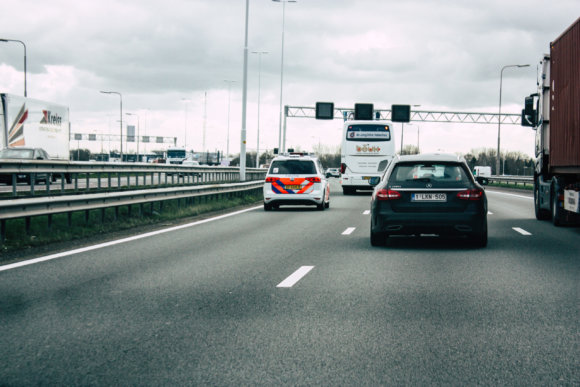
444 55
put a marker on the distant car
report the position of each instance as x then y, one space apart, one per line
296 179
190 163
332 172
21 153
428 194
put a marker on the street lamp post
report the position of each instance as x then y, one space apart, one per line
497 162
282 71
136 115
259 53
23 45
120 118
244 100
186 101
229 103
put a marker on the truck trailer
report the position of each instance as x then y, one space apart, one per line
31 123
554 113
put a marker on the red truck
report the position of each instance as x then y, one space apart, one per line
554 113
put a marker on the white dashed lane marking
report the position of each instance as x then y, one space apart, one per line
521 231
367 212
348 231
295 277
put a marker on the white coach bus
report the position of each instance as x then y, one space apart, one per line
366 151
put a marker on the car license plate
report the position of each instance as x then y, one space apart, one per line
429 197
293 187
366 177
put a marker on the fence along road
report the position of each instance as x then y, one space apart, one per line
123 185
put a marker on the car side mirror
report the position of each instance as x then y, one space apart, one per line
482 180
373 181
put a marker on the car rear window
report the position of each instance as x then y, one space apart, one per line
438 174
293 167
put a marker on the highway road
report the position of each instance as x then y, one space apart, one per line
299 297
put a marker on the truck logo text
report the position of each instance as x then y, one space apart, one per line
50 118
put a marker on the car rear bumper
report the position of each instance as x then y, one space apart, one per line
358 182
313 198
462 223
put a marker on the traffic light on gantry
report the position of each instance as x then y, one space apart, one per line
401 113
363 111
324 110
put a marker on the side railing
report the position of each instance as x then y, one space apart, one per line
44 188
515 180
32 177
51 205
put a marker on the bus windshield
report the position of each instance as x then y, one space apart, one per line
368 132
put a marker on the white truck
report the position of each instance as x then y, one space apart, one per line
27 122
176 155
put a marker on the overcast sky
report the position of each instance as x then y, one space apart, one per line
170 60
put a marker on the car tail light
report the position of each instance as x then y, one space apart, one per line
470 194
388 194
342 168
271 179
313 179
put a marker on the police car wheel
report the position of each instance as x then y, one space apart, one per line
267 207
327 204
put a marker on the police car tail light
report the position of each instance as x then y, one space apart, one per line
313 179
388 194
470 194
342 168
270 179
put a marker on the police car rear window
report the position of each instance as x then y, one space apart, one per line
292 167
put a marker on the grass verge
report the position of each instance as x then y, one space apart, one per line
96 223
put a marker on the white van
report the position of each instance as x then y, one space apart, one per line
482 171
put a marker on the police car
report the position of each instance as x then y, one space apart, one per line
296 179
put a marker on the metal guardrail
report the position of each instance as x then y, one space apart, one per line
51 205
523 180
113 175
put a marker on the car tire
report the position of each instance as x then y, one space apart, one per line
556 211
320 207
267 207
347 190
480 240
541 214
327 204
378 238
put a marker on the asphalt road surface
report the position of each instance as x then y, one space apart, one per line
299 297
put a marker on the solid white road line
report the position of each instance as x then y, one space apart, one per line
119 241
295 277
521 231
348 231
